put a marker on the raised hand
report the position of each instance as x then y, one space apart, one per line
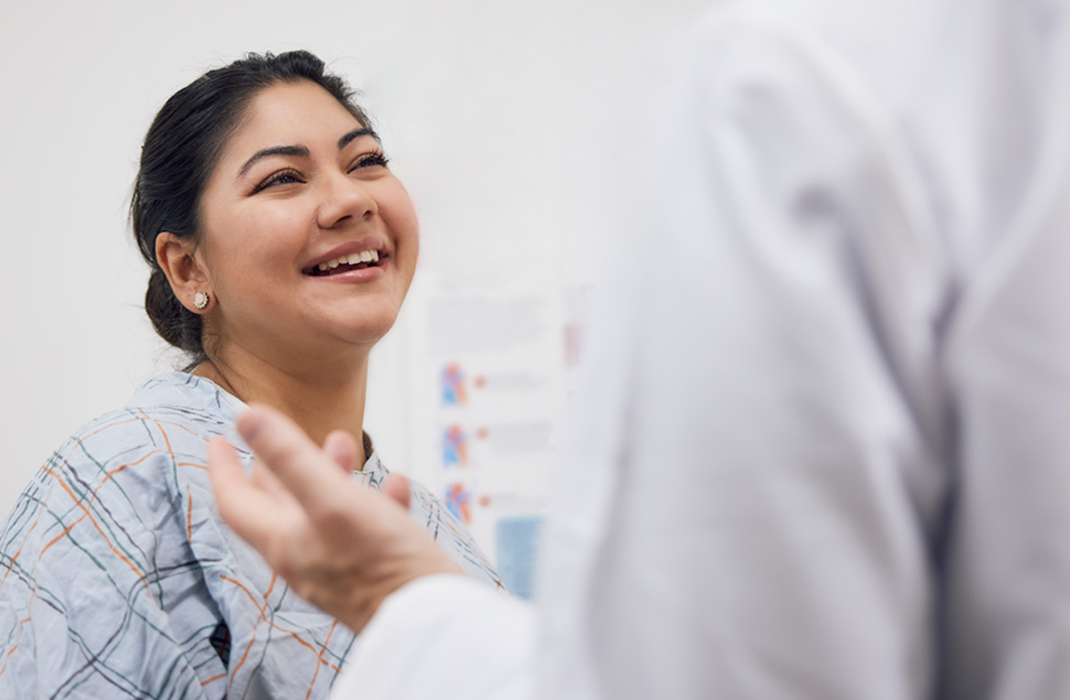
342 547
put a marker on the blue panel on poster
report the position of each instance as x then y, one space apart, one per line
517 545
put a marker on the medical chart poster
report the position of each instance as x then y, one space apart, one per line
485 395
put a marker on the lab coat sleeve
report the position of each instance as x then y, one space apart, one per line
444 636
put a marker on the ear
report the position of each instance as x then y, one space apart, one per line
185 269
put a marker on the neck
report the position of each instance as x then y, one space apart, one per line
319 399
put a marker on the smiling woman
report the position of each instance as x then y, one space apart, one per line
281 247
302 182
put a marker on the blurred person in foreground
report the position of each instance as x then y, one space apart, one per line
827 451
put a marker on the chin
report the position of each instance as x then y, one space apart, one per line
370 330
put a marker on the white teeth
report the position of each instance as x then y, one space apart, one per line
364 256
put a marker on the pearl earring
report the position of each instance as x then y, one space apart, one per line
200 301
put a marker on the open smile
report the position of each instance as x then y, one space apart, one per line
347 263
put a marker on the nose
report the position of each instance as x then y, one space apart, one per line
344 198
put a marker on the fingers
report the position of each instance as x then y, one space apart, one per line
302 467
266 481
397 487
241 504
341 447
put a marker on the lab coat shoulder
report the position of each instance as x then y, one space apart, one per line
792 155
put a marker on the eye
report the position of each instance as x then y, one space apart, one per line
281 177
369 160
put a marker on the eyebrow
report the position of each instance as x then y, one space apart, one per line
302 151
298 151
356 134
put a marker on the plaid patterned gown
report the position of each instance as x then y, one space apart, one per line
118 579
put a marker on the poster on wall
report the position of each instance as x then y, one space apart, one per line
486 390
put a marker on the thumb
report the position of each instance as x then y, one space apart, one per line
341 447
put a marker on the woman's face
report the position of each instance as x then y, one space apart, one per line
308 240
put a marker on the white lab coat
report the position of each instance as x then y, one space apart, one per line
828 454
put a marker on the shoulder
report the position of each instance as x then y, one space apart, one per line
103 514
124 470
169 420
195 405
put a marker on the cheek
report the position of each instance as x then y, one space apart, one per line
404 224
257 246
414 236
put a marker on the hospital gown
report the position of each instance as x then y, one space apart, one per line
118 579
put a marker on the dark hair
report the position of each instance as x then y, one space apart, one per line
180 151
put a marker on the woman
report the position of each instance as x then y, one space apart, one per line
281 248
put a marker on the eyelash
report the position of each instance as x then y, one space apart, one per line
370 159
365 161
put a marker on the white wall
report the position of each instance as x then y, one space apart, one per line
490 110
